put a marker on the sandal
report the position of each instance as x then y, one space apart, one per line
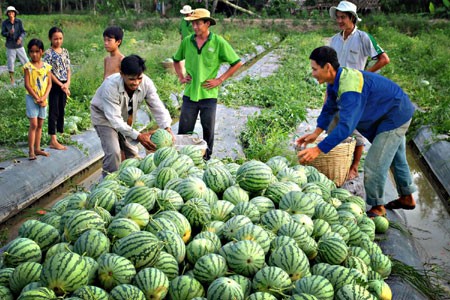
396 204
372 215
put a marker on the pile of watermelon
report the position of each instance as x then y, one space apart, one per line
172 226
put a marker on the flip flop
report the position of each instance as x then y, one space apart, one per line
372 215
396 204
32 158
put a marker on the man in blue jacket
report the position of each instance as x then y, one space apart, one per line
380 110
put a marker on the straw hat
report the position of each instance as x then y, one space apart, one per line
11 8
344 6
186 10
201 14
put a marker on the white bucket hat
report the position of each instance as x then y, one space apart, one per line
186 10
11 8
344 6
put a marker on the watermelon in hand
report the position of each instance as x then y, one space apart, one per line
161 138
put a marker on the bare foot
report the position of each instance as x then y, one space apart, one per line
352 173
58 146
40 152
32 157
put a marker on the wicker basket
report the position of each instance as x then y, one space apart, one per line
336 163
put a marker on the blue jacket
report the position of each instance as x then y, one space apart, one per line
366 101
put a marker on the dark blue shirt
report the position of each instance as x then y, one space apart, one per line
19 32
365 101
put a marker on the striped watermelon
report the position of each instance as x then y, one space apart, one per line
143 195
312 187
379 289
161 138
360 253
130 162
57 248
102 197
232 167
92 243
77 201
353 292
24 274
157 224
246 209
356 263
114 270
121 227
146 164
221 210
167 264
327 212
263 204
21 250
281 240
309 246
91 292
164 175
277 164
340 193
244 282
292 260
272 280
353 208
141 248
129 175
197 211
215 227
225 288
197 248
126 291
274 219
182 165
338 275
303 296
169 200
210 197
173 183
261 296
43 234
332 250
184 228
381 264
320 228
5 273
51 218
148 180
64 273
276 190
341 230
290 174
191 187
92 267
254 176
37 293
226 249
218 178
31 286
293 230
185 287
315 285
246 258
135 212
104 214
235 194
297 202
153 282
210 236
305 221
231 226
357 200
61 206
194 152
209 267
163 153
172 244
81 221
381 224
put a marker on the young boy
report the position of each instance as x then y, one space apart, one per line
112 39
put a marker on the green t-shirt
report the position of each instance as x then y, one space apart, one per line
203 64
186 28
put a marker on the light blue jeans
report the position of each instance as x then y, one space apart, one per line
388 150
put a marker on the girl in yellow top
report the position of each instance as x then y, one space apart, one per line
38 82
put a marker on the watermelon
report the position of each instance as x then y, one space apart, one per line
305 221
43 234
37 293
246 209
225 288
254 176
157 224
57 248
135 212
194 152
292 260
281 240
244 282
221 210
183 226
24 274
381 264
235 194
5 273
126 291
91 292
64 273
92 243
210 236
143 195
102 197
380 289
185 287
209 267
261 296
231 226
192 187
274 219
161 138
290 174
164 175
246 257
197 248
129 175
121 227
114 270
168 199
76 201
315 285
146 164
356 263
272 280
168 264
381 224
21 250
163 153
293 230
332 250
197 211
263 204
81 221
353 291
153 282
297 202
172 244
276 190
277 164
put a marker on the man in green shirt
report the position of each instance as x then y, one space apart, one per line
204 52
185 26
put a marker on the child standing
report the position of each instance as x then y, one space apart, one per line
58 58
37 76
112 39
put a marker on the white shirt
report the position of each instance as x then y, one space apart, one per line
109 107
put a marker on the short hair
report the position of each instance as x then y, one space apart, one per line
132 65
35 42
114 32
324 55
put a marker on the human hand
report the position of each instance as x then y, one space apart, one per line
212 83
308 154
306 139
65 89
169 130
144 139
19 41
186 79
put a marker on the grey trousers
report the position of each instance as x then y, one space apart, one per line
112 143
